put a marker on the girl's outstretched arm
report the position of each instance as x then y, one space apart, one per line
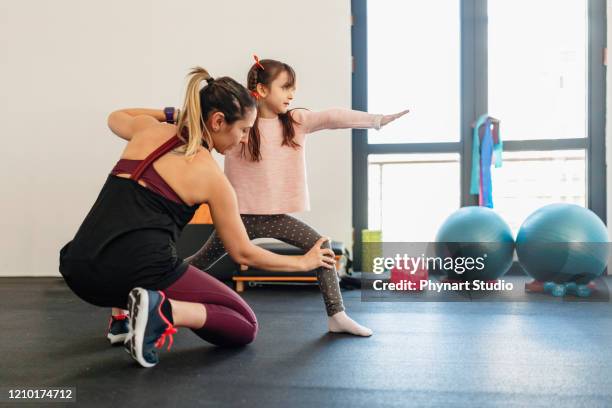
341 119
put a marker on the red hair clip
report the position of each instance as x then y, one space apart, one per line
255 94
257 62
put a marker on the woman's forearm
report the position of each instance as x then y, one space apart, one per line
262 259
156 113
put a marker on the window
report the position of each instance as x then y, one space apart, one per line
535 66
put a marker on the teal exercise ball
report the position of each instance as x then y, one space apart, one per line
475 233
563 243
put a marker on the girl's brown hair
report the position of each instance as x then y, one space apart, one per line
258 75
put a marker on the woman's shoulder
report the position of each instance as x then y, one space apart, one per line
146 141
155 135
204 164
201 174
201 159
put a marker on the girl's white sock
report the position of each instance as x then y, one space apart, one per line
341 323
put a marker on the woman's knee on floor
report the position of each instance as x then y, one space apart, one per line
248 336
236 338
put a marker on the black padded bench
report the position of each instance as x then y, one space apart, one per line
245 274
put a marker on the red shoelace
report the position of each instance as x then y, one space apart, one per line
170 329
167 333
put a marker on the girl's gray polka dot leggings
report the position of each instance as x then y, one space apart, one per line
284 228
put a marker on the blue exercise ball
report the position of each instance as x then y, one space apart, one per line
475 233
563 243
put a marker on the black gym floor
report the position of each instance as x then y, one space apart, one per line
523 354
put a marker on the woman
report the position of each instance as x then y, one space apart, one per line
124 252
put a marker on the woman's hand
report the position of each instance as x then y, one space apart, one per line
390 118
319 257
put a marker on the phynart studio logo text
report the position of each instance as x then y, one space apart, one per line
438 287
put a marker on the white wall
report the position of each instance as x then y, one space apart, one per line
66 64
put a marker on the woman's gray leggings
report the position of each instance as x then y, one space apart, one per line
284 228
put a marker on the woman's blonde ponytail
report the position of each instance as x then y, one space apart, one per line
191 122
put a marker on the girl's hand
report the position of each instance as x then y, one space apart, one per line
390 118
319 257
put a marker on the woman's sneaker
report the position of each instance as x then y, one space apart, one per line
118 328
150 323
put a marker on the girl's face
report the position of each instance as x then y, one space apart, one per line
279 94
225 136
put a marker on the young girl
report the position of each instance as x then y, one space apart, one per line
269 175
124 252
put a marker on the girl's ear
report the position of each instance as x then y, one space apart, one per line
262 90
217 120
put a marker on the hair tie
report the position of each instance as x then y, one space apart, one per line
257 63
255 95
210 80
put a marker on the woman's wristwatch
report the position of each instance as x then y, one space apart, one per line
169 112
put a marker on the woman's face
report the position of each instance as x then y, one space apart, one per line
225 136
279 94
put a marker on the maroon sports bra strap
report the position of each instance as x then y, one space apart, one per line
170 144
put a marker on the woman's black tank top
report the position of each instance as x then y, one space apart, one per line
127 240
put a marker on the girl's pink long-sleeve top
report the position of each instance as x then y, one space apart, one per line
277 183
